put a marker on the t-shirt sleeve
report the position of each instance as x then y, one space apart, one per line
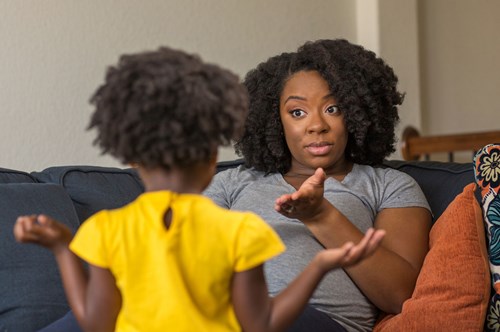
256 243
401 190
217 190
228 185
89 243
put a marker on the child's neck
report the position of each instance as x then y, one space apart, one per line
186 180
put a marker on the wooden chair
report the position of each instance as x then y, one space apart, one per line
414 146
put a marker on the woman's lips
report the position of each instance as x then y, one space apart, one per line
319 149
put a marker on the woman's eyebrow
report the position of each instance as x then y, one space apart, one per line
328 96
294 97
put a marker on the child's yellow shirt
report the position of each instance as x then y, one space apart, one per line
175 279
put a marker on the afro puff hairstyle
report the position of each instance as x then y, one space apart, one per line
166 109
363 85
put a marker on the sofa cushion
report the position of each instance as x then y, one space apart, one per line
94 188
439 181
13 176
31 294
453 286
487 173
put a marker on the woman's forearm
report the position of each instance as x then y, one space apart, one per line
386 278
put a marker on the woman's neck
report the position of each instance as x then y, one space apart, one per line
296 176
337 171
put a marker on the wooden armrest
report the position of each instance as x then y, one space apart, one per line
413 145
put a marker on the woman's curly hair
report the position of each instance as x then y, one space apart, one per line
363 85
167 108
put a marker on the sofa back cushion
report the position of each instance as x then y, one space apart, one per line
13 176
94 188
31 293
441 182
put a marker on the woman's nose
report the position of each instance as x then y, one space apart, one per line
317 123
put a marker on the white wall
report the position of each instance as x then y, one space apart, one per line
460 67
54 54
390 29
460 53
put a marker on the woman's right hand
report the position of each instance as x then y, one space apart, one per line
306 202
42 230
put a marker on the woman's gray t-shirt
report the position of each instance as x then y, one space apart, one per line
363 193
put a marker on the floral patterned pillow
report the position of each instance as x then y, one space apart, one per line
487 176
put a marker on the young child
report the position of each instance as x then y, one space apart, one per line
173 260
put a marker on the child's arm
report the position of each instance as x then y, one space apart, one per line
256 311
94 299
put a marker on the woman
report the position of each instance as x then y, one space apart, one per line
331 105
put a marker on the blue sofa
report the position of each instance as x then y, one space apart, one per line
31 294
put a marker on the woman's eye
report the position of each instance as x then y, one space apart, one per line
332 109
297 113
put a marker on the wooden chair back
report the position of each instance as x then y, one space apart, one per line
414 146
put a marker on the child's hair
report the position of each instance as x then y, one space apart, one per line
167 108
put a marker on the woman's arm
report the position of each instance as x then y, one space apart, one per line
388 277
94 298
256 311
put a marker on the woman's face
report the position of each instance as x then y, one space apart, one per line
314 126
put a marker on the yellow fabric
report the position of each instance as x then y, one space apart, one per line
176 279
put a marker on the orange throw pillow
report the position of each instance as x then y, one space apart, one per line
453 287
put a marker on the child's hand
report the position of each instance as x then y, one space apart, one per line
42 230
350 254
306 201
